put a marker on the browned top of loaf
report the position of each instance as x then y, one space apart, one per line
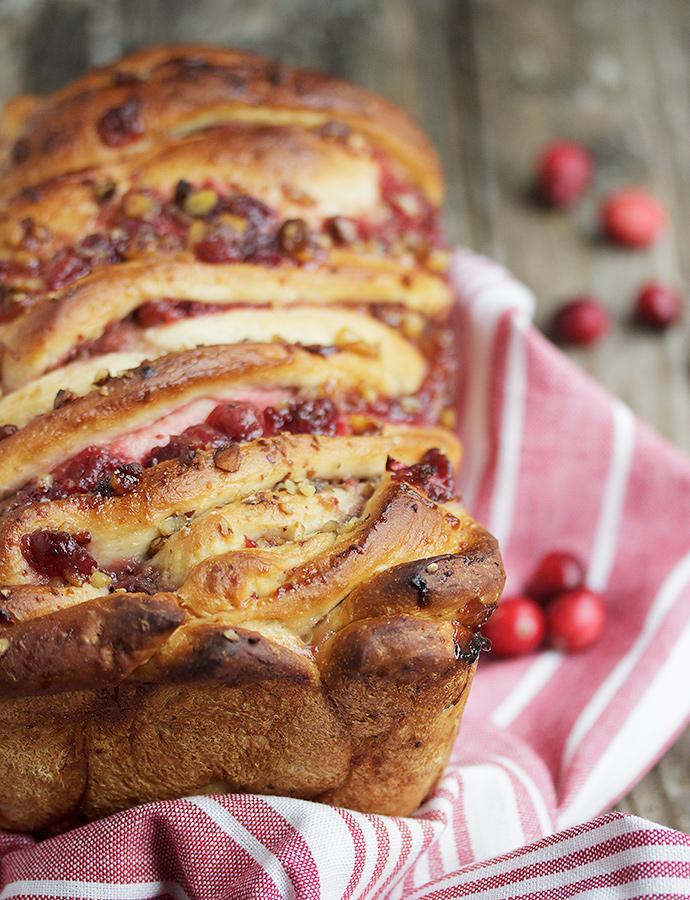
155 94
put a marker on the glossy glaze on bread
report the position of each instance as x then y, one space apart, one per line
232 554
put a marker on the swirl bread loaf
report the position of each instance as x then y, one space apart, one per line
232 559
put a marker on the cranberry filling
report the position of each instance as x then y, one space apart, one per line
66 266
123 480
164 311
433 475
136 578
236 227
86 471
58 554
240 421
411 223
303 417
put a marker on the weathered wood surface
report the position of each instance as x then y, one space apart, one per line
491 81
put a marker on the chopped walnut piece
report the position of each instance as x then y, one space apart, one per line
293 238
227 459
62 397
342 230
125 479
171 525
99 579
103 192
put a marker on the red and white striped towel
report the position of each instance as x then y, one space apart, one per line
547 743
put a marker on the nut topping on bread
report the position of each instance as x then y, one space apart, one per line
232 549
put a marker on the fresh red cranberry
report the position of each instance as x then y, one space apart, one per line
121 124
564 172
582 321
516 627
632 217
237 421
196 437
556 572
658 306
575 620
57 554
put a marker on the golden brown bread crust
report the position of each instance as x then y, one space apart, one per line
51 329
232 554
163 93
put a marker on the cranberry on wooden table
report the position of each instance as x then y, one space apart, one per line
582 321
575 620
557 572
517 626
658 306
633 217
564 172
